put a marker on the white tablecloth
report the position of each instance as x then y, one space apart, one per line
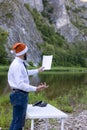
35 112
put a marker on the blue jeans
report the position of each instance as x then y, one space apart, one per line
19 101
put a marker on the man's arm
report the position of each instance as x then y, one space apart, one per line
35 71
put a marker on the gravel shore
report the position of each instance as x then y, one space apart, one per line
73 122
77 122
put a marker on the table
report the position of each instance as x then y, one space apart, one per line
36 112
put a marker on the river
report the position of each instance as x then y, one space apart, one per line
59 83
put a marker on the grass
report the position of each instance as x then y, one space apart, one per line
4 67
5 111
56 68
65 69
61 68
3 70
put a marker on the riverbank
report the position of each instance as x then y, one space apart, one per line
68 69
73 122
77 122
4 68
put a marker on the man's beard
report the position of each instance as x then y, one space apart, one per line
25 56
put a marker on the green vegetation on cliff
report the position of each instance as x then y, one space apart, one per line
64 54
3 40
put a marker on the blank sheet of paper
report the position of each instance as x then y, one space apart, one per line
46 62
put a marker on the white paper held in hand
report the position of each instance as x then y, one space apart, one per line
47 61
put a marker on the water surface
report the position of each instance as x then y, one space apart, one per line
59 83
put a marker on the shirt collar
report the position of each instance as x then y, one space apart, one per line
19 59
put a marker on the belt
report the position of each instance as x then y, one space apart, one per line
18 90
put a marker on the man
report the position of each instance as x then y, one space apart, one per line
19 82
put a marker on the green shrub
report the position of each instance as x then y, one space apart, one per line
27 7
48 49
48 10
3 36
3 40
68 7
31 63
9 15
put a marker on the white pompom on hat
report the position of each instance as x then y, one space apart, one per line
19 49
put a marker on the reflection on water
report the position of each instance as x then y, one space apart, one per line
59 84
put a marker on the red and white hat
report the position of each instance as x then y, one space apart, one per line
19 49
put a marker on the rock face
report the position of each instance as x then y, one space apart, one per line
37 4
17 20
68 17
64 14
81 3
64 19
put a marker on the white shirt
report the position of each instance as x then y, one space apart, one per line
18 76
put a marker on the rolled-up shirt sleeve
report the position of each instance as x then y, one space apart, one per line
32 72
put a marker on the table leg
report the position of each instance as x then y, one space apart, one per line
62 124
23 128
32 124
46 127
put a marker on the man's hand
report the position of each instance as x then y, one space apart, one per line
41 87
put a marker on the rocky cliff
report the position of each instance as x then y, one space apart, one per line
68 17
15 18
38 4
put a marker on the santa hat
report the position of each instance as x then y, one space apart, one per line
19 49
